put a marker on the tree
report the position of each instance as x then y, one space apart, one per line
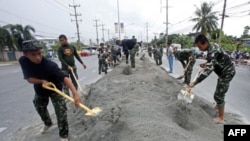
184 40
20 33
205 18
5 39
246 32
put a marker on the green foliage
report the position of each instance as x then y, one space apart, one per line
184 40
206 20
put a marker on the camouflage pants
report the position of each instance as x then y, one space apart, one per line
222 88
132 56
158 59
188 74
41 103
65 88
101 62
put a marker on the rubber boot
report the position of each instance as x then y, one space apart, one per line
220 118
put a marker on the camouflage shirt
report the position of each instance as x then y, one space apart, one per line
217 61
184 54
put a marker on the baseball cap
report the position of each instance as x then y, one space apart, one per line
30 45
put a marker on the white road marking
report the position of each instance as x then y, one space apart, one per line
2 129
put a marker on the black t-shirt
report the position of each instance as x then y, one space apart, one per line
46 70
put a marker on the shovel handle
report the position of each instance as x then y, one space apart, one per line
52 87
76 80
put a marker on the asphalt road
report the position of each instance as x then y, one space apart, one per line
16 95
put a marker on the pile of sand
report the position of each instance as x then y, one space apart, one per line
138 105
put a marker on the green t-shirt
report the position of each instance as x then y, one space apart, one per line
66 55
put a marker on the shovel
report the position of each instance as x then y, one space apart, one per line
79 86
95 111
182 76
185 93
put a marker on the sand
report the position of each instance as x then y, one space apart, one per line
138 104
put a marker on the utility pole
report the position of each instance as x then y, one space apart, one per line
155 34
222 21
166 36
119 29
147 32
96 26
103 33
108 34
166 22
77 25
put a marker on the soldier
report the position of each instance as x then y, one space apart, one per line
161 53
186 56
128 44
157 55
38 70
66 54
102 56
219 62
114 55
150 51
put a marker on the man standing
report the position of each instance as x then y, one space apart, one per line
186 57
38 71
150 51
219 62
128 45
170 57
66 54
157 55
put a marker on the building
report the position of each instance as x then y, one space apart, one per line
47 41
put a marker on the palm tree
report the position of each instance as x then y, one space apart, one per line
205 18
6 39
20 33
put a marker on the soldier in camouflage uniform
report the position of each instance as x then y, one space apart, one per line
38 71
184 56
161 53
157 55
132 54
219 62
102 56
150 51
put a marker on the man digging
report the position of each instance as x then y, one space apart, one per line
38 70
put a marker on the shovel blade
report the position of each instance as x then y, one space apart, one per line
190 97
95 111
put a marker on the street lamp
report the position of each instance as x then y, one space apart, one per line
119 29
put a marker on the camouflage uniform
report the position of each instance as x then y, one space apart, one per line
102 61
183 57
161 54
132 54
219 62
150 51
41 103
157 55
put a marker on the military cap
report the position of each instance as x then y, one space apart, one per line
30 45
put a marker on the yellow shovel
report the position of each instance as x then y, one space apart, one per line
95 111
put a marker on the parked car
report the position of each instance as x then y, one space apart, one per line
85 53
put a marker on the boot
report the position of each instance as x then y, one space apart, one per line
220 118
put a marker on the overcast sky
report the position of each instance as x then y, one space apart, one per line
51 18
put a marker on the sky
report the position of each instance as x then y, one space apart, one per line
51 18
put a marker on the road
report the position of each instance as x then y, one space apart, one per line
237 98
16 96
